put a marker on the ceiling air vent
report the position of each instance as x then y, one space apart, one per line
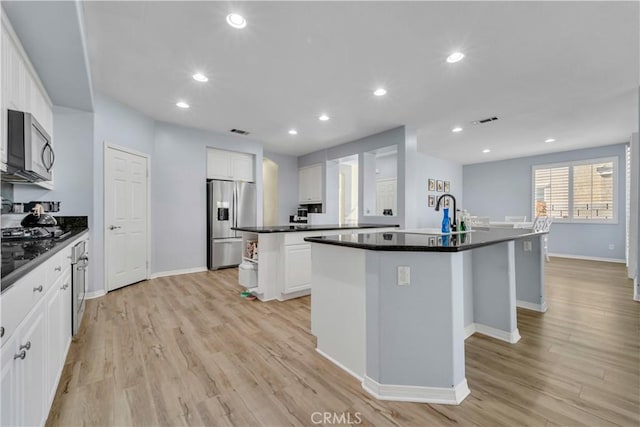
239 131
483 121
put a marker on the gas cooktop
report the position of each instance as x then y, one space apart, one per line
30 233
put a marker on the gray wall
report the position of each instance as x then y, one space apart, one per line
399 136
287 185
73 140
178 193
496 189
178 177
116 124
432 167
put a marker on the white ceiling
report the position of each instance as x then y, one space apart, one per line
563 70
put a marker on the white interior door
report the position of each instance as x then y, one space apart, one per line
386 196
126 217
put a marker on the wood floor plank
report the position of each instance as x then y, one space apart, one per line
187 350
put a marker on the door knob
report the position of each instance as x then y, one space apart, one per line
114 227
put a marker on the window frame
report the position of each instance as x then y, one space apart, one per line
570 165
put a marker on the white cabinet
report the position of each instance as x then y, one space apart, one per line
21 88
9 383
310 184
23 370
36 315
58 302
230 165
297 275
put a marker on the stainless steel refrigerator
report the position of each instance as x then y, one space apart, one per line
229 204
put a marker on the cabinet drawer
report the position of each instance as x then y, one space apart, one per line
17 301
298 238
55 266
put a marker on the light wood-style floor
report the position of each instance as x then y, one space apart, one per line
187 350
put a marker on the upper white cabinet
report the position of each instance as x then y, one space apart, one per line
21 88
310 184
230 165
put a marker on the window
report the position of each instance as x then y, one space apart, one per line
582 191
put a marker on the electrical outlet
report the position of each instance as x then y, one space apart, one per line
404 275
527 245
611 246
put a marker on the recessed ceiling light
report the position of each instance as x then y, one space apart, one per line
455 57
236 21
380 92
199 77
456 129
550 140
293 132
486 150
323 118
182 104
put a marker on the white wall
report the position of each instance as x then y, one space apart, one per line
121 125
432 167
178 183
406 142
73 143
496 189
287 185
178 193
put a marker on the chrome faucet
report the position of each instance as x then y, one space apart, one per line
454 223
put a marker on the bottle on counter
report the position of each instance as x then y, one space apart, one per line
446 222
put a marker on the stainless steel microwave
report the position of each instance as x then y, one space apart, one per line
30 156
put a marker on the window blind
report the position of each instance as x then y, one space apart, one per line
593 191
581 191
552 192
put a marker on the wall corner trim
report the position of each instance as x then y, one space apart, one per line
406 393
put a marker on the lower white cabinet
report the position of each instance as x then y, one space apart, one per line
297 259
33 355
58 303
23 372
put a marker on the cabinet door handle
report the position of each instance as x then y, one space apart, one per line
38 289
114 227
1 331
20 355
58 268
26 346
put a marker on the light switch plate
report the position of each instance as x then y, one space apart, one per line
404 275
527 245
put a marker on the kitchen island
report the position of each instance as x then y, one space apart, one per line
393 309
277 260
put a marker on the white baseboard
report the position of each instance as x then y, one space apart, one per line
510 337
339 365
95 294
589 258
636 289
178 272
469 330
542 308
406 393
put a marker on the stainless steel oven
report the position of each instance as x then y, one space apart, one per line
79 265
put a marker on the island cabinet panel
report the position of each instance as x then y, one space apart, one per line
297 258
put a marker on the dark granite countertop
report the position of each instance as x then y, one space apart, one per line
296 228
21 257
414 242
